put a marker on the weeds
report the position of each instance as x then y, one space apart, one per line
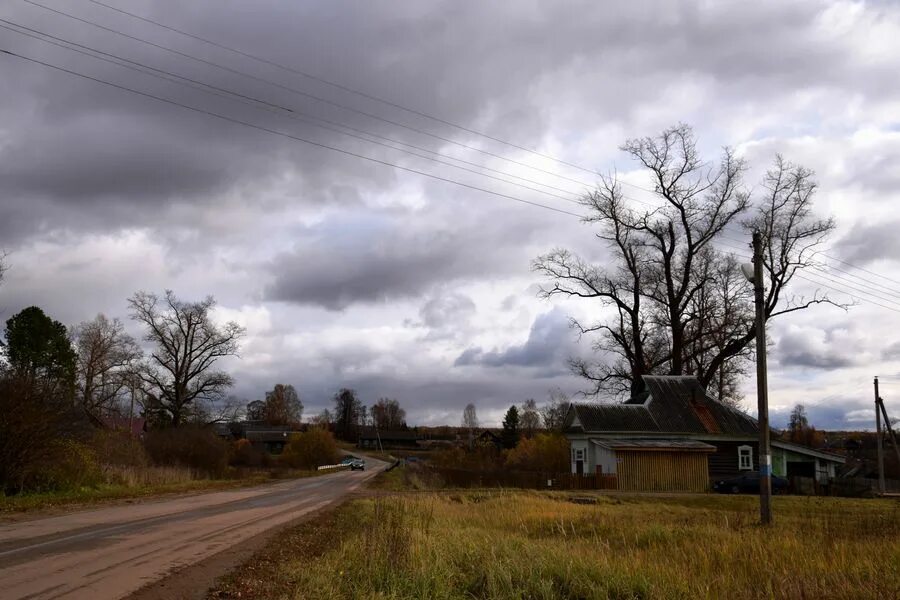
488 544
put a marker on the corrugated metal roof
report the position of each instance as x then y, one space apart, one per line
672 404
638 444
614 417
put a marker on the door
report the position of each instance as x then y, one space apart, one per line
579 467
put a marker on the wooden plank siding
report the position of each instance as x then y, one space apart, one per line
723 464
663 471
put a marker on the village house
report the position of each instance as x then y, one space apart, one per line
370 437
676 437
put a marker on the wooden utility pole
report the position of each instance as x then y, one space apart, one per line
762 385
879 439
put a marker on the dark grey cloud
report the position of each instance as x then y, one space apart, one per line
827 349
74 143
259 220
352 259
549 345
868 242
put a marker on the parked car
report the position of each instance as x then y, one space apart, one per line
748 483
358 465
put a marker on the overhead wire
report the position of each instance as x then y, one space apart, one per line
370 115
273 108
306 94
286 135
339 86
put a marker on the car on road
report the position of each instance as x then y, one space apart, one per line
347 460
748 483
358 465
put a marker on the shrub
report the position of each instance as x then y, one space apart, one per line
545 452
70 465
244 454
310 449
119 448
34 425
193 447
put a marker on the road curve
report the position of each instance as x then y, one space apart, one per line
111 552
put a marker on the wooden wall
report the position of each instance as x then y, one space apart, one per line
659 471
723 463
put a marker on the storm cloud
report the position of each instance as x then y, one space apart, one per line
349 271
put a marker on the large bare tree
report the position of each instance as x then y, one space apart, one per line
675 301
106 361
187 344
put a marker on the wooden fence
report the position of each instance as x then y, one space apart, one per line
524 479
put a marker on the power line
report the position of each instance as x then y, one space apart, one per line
850 283
854 296
295 115
866 294
287 135
339 86
140 67
370 115
306 94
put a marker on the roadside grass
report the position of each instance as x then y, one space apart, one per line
124 483
521 544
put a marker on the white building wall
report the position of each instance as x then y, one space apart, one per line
582 447
605 459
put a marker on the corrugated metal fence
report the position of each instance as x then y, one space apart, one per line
662 471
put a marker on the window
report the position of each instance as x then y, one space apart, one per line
745 458
579 454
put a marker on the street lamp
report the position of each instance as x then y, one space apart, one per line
754 274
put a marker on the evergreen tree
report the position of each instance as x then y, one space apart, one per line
511 427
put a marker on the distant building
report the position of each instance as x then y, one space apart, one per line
269 438
675 437
369 437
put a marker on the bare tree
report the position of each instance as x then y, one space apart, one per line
674 304
529 418
106 358
470 418
323 419
187 345
349 413
387 415
554 412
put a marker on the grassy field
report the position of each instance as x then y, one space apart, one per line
493 544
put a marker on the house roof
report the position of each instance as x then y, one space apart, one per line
272 435
368 433
671 404
134 425
823 454
654 444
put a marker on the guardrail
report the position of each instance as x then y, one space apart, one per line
335 467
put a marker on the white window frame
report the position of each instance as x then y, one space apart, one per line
745 452
580 454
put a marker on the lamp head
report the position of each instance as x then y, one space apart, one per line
747 269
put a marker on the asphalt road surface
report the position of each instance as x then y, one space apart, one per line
111 552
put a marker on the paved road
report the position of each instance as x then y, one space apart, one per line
111 552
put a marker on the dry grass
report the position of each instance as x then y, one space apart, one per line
539 545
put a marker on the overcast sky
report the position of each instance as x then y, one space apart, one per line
347 272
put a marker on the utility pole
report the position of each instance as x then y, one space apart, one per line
879 439
762 385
